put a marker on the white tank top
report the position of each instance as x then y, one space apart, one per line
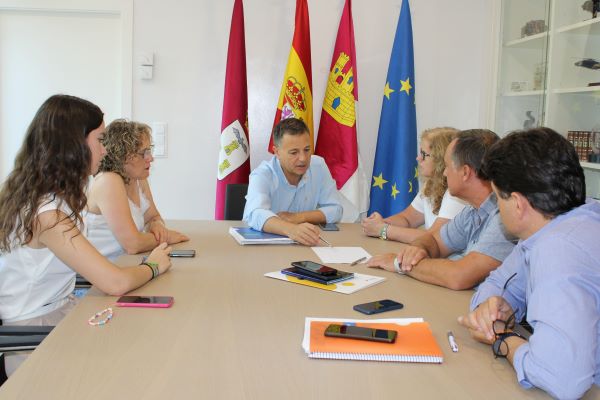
100 235
34 282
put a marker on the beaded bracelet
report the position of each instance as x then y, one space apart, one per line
153 266
109 314
383 232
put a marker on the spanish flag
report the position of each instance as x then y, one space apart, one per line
295 98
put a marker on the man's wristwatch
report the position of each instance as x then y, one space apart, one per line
383 232
397 266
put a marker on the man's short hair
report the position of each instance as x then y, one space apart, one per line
290 126
541 165
470 148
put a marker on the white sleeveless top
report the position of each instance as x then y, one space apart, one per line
100 235
34 282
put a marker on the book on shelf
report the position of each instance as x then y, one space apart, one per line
415 341
582 141
356 283
244 235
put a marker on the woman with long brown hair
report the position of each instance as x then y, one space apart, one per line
433 206
42 243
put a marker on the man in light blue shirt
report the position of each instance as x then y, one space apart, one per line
294 190
552 277
474 241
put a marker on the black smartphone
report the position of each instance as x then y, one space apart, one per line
145 301
359 332
323 279
315 268
379 306
329 227
182 253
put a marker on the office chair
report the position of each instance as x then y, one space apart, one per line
235 201
18 338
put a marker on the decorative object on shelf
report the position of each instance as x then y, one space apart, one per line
530 121
589 63
592 6
594 155
534 27
539 75
518 86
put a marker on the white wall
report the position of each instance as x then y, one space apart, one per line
189 40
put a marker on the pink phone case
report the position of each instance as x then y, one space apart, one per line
148 305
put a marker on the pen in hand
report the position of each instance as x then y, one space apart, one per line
325 241
452 342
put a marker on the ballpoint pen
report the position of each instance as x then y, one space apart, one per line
353 263
326 242
452 342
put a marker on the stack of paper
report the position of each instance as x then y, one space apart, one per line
360 281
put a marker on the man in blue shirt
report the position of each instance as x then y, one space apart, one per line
552 276
474 239
294 190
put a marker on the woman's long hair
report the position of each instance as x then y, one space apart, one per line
53 160
122 140
436 185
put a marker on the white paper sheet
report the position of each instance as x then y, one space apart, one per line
341 255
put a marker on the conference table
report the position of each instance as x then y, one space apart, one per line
233 333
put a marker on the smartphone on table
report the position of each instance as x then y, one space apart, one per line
329 227
182 253
145 301
361 333
379 306
315 268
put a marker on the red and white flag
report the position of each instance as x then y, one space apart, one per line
234 156
337 137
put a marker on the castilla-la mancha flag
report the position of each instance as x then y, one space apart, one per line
336 141
295 98
234 156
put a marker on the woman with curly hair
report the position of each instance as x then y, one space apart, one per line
42 243
122 216
433 206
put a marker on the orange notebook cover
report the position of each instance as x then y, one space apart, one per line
414 343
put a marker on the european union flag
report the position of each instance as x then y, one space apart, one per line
395 178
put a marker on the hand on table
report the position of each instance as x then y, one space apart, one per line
160 256
383 261
372 225
410 256
305 233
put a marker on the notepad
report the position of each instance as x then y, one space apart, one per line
340 255
415 341
245 235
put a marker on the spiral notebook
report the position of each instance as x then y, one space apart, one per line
415 342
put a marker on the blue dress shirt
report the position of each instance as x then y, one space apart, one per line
557 285
478 230
269 192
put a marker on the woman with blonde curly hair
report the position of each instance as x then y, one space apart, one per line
122 217
433 206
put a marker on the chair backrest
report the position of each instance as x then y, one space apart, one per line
235 201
